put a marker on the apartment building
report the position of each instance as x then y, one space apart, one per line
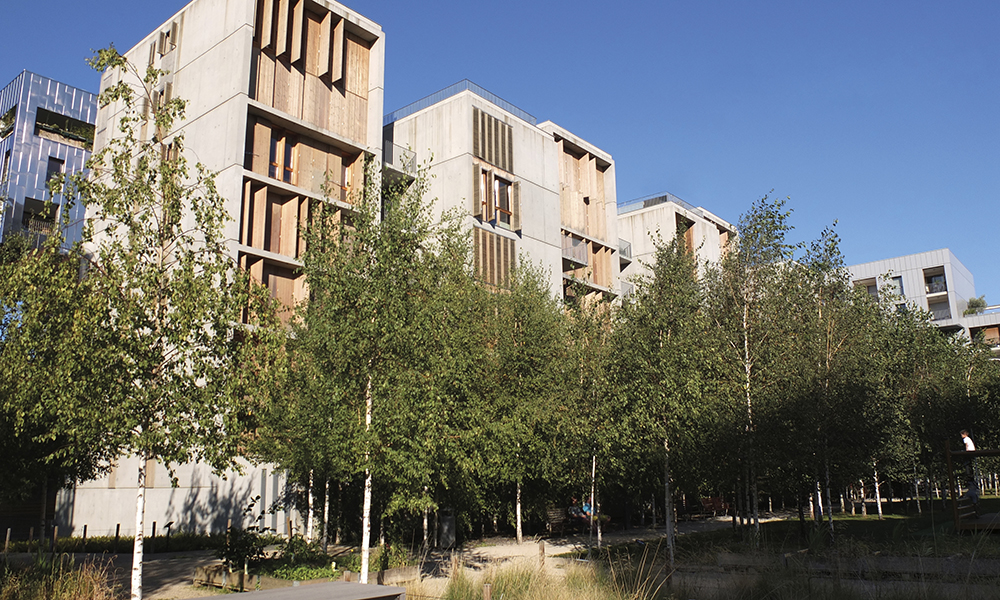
46 128
645 221
532 192
284 103
934 281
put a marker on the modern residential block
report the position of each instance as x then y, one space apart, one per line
283 98
934 281
46 128
644 222
532 192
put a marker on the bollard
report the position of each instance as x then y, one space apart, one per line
541 554
118 531
6 543
487 591
85 538
55 534
152 539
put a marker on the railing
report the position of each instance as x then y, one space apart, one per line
450 91
575 250
940 314
936 288
653 200
627 289
399 158
624 248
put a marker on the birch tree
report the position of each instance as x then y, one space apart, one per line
744 302
662 365
187 365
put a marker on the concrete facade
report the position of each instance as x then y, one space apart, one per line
645 221
281 98
519 183
936 282
46 127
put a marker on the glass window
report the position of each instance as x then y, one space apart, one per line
501 196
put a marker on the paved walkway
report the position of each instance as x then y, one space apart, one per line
169 575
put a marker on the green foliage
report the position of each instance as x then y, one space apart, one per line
390 556
975 306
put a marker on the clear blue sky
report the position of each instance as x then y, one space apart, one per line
882 115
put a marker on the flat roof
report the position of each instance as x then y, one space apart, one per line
452 90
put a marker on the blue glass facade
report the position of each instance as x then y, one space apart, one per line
45 127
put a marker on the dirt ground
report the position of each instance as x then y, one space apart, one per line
169 576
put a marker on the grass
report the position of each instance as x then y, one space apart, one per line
59 579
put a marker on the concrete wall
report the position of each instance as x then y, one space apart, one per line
202 502
444 131
641 226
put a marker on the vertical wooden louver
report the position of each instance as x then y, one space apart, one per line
492 140
493 257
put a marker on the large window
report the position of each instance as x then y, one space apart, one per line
282 157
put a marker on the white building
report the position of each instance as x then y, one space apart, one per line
282 96
644 222
934 281
532 191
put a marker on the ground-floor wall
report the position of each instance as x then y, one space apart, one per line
201 502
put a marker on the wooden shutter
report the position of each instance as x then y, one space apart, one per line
298 24
247 213
476 143
477 200
325 38
175 31
265 22
477 262
515 207
281 43
337 54
510 149
491 204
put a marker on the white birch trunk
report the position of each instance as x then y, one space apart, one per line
425 528
668 504
878 495
593 487
326 513
366 526
518 511
366 509
140 513
310 518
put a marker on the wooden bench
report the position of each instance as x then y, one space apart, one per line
555 520
715 506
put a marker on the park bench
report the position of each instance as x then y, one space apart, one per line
714 506
555 520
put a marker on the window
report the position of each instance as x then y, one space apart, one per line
895 287
55 168
5 172
7 122
502 202
63 129
282 157
38 216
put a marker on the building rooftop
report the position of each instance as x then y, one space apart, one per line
452 90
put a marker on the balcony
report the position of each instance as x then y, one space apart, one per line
574 252
399 158
624 253
936 288
940 314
